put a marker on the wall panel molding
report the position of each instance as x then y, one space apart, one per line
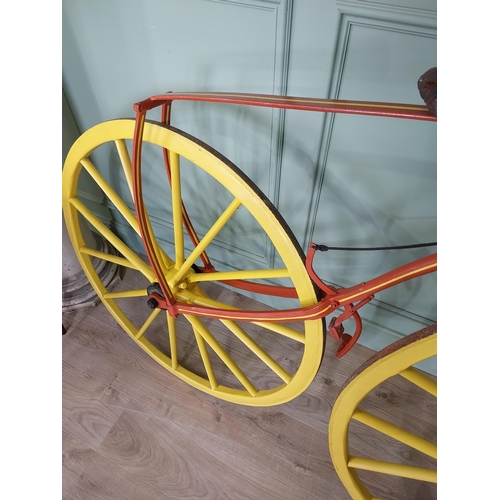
392 13
279 13
383 323
270 5
244 46
282 10
374 16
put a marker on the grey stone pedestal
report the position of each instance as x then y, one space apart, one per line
77 292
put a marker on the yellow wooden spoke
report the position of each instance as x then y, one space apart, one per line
279 328
122 149
172 334
253 274
202 347
111 194
421 380
147 323
123 208
121 261
257 350
177 208
282 329
207 239
400 470
126 294
123 153
228 182
395 432
394 359
223 355
115 199
165 262
136 261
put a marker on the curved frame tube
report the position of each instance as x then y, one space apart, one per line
332 298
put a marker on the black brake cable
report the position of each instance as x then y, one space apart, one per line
324 248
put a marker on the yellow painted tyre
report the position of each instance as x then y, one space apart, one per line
258 364
393 361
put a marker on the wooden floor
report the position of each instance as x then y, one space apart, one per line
131 430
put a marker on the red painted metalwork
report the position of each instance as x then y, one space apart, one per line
401 274
193 236
142 217
348 341
391 110
350 299
342 297
261 289
316 311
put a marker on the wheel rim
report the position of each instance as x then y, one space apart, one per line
214 357
396 359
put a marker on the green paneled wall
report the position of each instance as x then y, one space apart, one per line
341 180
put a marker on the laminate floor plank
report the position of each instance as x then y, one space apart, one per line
90 407
313 407
264 438
88 475
174 460
100 347
127 420
240 430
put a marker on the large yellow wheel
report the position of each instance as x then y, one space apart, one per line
257 363
416 439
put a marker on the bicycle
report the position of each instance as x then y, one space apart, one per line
179 286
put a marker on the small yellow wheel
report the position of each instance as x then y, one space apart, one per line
415 438
256 363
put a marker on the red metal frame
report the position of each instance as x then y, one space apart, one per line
350 299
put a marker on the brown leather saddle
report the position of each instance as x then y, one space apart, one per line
427 86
